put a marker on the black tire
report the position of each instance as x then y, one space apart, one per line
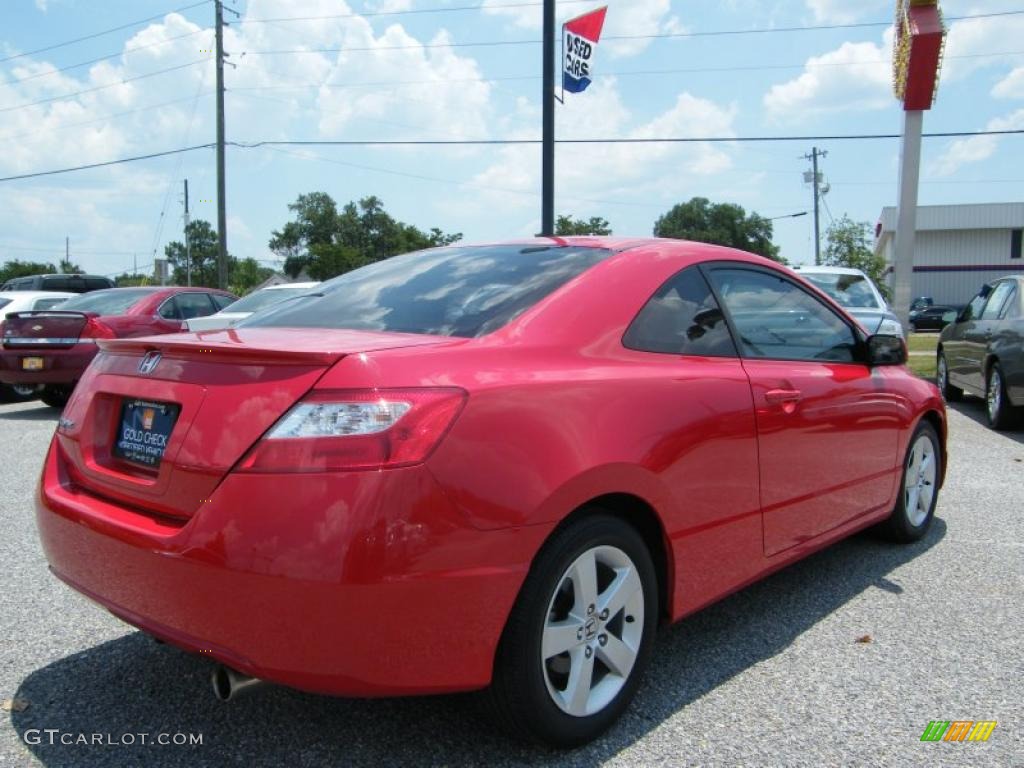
55 396
950 393
900 527
519 696
9 394
1002 415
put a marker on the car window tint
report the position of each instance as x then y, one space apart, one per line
222 301
1011 308
48 303
194 305
776 319
996 300
113 301
846 290
97 283
169 310
463 291
682 318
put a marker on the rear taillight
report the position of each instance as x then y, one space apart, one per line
356 429
94 329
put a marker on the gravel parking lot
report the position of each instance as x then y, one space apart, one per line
774 675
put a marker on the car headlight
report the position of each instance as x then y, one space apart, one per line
889 327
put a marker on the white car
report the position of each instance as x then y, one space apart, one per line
854 292
26 301
241 309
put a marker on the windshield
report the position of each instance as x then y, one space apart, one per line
460 291
114 301
853 291
265 298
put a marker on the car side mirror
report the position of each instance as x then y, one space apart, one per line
886 350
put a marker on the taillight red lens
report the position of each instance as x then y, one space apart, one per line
94 329
356 429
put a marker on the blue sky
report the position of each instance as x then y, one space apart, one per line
400 77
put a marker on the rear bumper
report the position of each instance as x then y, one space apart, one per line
60 366
358 584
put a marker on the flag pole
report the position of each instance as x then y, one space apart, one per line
547 228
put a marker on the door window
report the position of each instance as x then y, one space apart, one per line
1011 307
776 319
682 318
169 310
996 301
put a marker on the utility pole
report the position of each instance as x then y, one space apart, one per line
816 179
222 218
67 250
188 243
547 226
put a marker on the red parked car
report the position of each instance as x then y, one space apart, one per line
52 348
497 466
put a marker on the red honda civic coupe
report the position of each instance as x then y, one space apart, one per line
51 348
488 467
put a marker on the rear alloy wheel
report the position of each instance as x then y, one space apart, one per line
919 489
1001 413
950 393
579 635
55 396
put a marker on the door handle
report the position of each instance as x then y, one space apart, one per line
783 396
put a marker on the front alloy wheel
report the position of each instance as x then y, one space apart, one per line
919 488
579 635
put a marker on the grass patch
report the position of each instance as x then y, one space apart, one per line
923 366
923 342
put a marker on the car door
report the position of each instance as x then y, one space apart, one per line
827 427
955 345
1007 342
978 336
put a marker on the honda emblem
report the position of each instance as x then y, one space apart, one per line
149 362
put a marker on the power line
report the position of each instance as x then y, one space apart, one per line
409 12
652 36
103 87
109 56
510 142
103 32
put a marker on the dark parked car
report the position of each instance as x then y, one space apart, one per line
982 353
921 302
933 318
51 349
59 282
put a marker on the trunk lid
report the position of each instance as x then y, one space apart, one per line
45 328
227 388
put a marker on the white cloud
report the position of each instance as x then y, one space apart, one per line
975 149
1011 86
636 172
389 6
986 36
637 17
42 5
845 11
855 76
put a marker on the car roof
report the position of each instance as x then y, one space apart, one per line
37 294
289 285
822 270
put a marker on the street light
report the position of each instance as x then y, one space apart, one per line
788 216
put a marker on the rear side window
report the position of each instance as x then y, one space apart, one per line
775 319
460 291
4 303
997 300
114 301
222 301
682 318
1011 309
194 305
97 283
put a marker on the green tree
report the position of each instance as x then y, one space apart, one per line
596 225
68 267
720 224
16 268
849 244
129 281
204 242
245 274
327 243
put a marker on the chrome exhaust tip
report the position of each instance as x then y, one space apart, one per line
229 684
